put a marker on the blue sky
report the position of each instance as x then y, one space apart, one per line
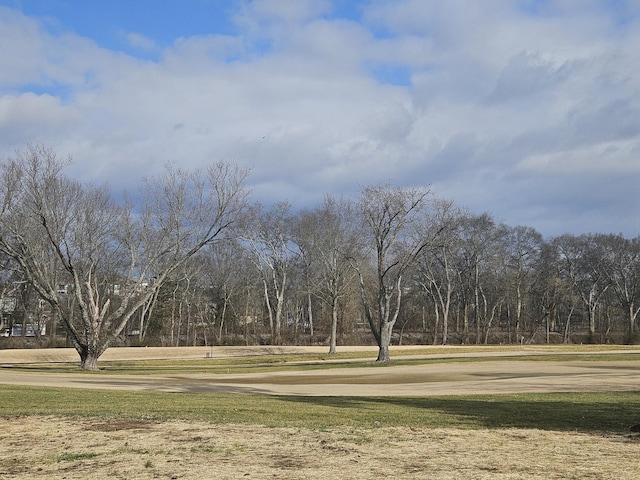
526 109
115 24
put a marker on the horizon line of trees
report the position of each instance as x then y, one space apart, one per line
199 263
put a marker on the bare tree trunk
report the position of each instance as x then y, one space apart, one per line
489 323
367 309
476 301
173 314
566 327
633 314
485 317
89 355
388 321
445 329
278 318
310 314
592 305
465 324
548 328
518 309
334 326
436 322
223 315
246 317
179 324
145 314
54 328
269 309
385 341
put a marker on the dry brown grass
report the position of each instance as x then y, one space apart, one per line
100 448
57 448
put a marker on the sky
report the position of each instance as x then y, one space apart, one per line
526 109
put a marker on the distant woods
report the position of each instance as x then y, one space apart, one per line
197 262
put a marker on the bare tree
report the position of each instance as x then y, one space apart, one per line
584 263
624 274
188 303
523 249
109 259
270 239
435 268
327 237
481 245
224 263
389 216
10 279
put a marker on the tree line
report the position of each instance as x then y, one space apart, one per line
195 261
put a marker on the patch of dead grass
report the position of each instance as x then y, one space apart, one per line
124 449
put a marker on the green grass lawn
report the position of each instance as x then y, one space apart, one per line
612 412
584 412
608 412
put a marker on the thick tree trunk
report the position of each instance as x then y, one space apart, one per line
89 355
89 362
383 354
385 340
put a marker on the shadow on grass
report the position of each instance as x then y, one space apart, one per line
606 412
600 412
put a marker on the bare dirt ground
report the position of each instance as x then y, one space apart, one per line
59 448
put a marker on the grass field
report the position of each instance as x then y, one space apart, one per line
69 433
611 412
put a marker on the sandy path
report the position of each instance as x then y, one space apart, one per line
432 379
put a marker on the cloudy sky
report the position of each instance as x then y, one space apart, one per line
526 109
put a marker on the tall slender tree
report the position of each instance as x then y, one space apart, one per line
389 216
269 237
328 238
435 267
624 274
583 262
523 251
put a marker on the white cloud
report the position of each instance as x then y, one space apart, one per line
503 105
27 117
19 64
139 41
613 158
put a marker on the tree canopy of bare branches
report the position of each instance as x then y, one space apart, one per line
389 217
97 262
194 261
